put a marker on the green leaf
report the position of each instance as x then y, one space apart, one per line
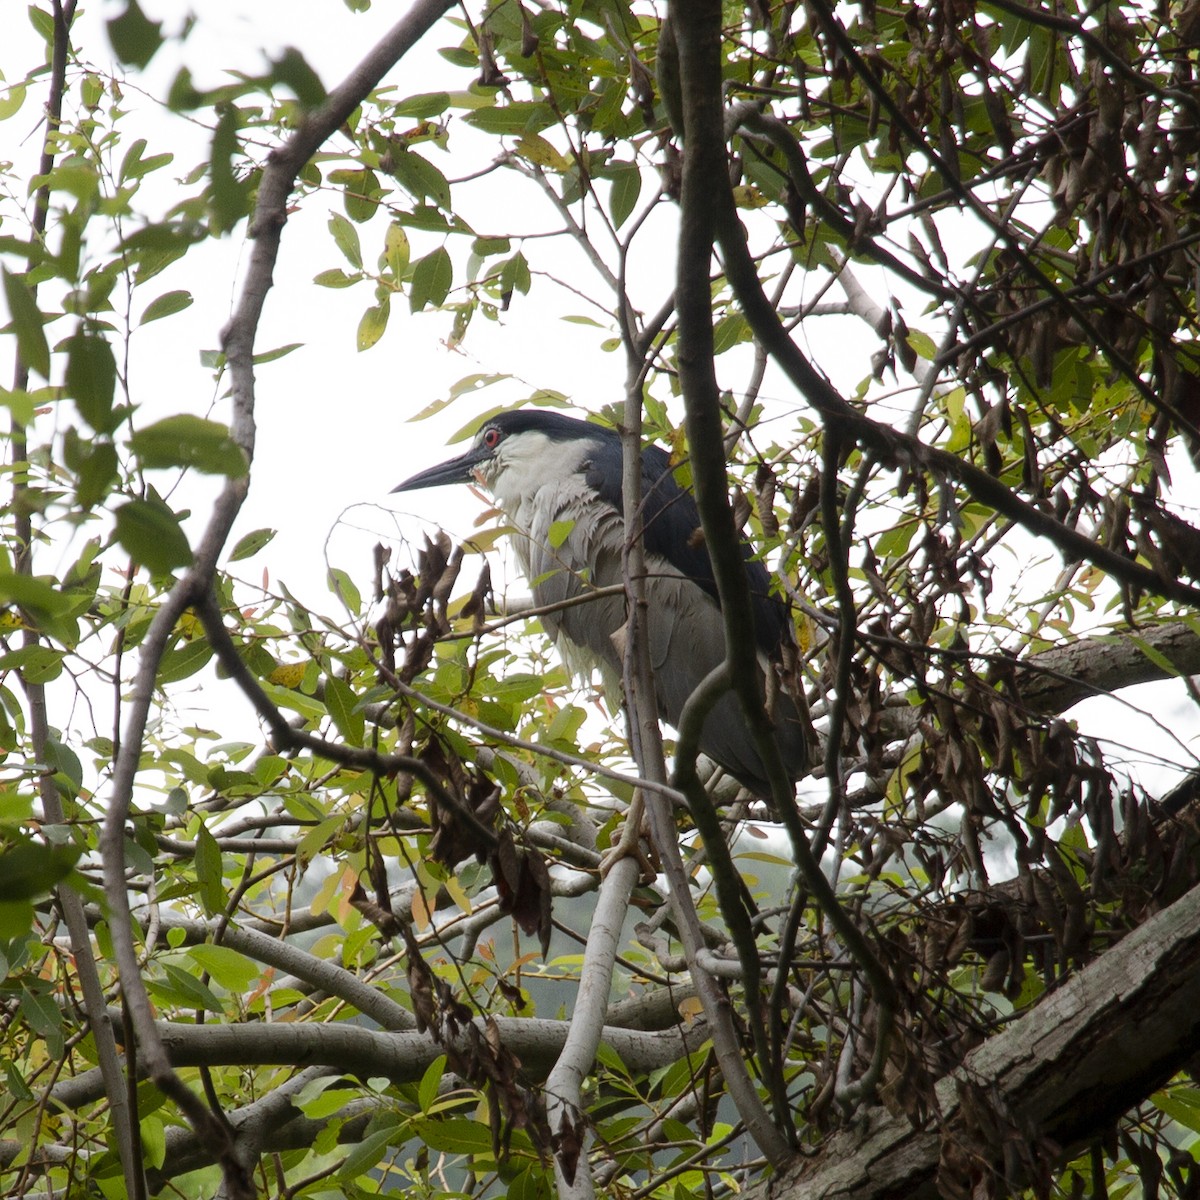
535 149
27 324
431 279
230 192
134 166
150 532
91 378
44 1015
371 325
95 473
485 247
922 345
31 869
134 37
250 544
292 69
396 249
232 970
209 872
166 305
342 586
346 238
420 178
37 664
423 106
279 352
183 661
523 116
460 1135
189 441
514 274
37 595
626 187
360 195
335 278
10 104
366 1154
559 532
341 702
153 1141
16 919
91 92
182 987
431 1081
728 331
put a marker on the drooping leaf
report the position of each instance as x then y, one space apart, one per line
346 238
294 70
420 178
183 661
91 378
189 441
371 325
396 249
27 324
150 532
626 187
341 701
209 871
431 279
231 184
30 869
231 969
135 38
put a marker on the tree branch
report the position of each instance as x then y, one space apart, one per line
1061 1074
275 187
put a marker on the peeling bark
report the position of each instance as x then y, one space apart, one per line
1047 1084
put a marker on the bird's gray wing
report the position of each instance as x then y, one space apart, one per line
575 546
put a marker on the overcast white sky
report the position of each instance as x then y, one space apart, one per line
333 431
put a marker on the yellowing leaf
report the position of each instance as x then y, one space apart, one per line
371 326
288 675
422 915
455 890
748 196
535 149
189 625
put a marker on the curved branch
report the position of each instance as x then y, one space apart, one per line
902 448
697 35
707 210
275 187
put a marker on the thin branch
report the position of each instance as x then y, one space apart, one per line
705 171
275 187
53 810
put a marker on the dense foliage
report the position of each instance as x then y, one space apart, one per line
941 367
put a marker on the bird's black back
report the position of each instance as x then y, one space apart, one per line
670 519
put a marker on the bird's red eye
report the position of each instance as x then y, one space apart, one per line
491 438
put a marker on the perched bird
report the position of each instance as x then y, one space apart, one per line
558 481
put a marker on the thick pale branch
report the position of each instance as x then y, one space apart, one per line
1103 1042
404 1056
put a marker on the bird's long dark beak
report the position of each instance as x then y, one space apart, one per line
457 470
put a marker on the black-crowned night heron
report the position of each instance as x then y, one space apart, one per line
558 481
